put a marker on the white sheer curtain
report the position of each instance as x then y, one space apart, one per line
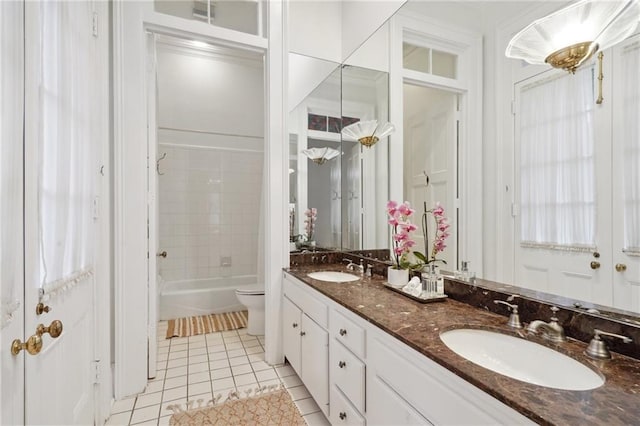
631 148
557 177
67 148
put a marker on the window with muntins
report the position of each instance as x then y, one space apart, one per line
557 164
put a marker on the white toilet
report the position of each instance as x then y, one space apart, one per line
252 297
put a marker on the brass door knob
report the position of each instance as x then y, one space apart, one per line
33 345
621 267
54 330
594 264
42 308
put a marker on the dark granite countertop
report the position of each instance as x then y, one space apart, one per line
617 402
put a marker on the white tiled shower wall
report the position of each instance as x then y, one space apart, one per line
209 197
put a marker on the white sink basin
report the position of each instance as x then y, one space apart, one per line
333 276
521 359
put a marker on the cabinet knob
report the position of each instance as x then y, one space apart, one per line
621 267
302 333
342 364
342 415
343 332
294 325
594 265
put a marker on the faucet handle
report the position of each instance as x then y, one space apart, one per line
369 272
514 318
554 309
598 348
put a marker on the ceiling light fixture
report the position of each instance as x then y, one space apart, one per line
321 155
368 132
569 37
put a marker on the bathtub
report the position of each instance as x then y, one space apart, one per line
201 297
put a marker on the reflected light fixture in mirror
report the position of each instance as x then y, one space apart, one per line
569 37
368 132
321 155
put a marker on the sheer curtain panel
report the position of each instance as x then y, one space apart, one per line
557 170
67 149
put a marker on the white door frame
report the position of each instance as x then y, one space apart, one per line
131 251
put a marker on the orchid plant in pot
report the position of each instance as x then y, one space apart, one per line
441 234
401 241
310 225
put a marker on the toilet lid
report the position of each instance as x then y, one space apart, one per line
251 289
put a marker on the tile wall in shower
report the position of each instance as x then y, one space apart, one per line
209 205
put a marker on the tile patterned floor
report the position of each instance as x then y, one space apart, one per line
199 367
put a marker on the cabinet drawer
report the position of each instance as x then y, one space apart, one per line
311 306
348 333
436 393
348 374
342 413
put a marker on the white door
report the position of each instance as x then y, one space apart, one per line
625 265
562 211
431 147
314 359
11 211
66 129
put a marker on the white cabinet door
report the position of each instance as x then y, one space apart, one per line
315 361
291 333
386 407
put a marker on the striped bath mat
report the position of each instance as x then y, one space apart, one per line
191 326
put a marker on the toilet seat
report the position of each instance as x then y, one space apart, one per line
255 290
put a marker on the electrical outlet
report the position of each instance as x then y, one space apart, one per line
225 261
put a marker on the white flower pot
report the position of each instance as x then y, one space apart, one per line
397 278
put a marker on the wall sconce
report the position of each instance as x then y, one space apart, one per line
368 132
320 155
567 38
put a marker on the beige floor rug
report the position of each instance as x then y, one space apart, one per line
191 326
272 408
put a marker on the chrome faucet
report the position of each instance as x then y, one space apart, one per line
352 266
551 330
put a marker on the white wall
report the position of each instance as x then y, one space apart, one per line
315 29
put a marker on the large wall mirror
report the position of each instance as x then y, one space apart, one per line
349 191
345 182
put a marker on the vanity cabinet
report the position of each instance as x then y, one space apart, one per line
306 340
406 387
370 377
347 370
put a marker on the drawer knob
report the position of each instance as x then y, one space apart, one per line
302 333
342 415
343 332
342 364
294 325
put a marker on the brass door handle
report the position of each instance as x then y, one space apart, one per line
54 330
33 345
42 308
162 254
594 264
621 267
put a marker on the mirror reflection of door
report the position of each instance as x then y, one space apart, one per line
430 146
353 204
